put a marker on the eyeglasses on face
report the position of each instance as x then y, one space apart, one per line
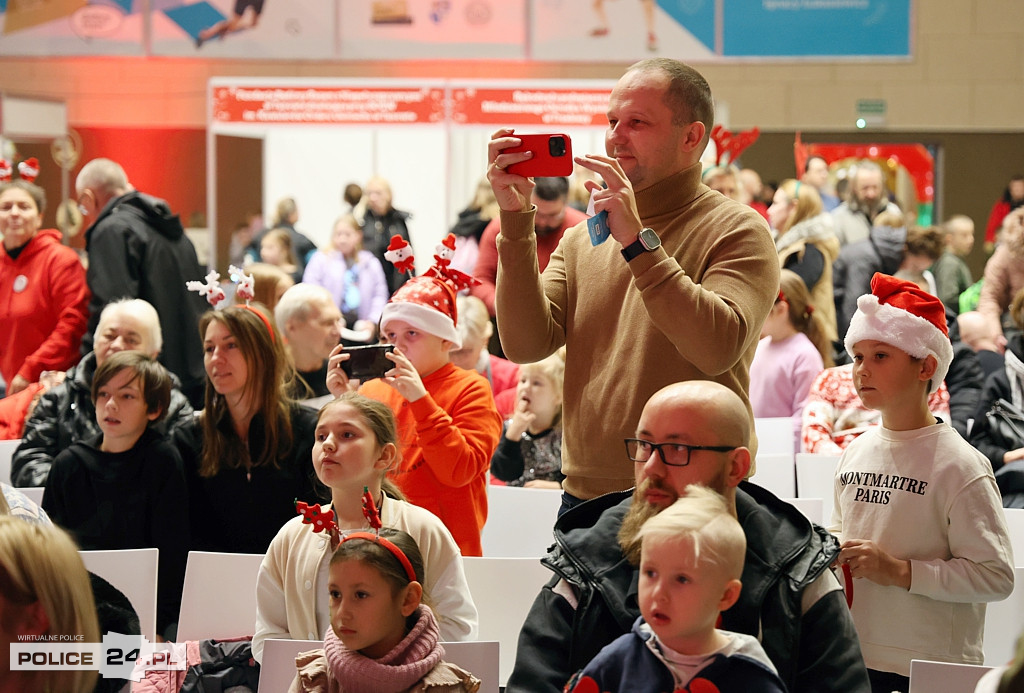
672 454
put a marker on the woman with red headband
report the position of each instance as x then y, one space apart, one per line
247 453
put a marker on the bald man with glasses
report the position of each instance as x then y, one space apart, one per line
695 432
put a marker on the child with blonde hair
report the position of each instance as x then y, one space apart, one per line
529 452
691 560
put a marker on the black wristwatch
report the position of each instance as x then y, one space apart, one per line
646 241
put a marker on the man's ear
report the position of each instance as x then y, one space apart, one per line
154 415
739 466
694 135
730 595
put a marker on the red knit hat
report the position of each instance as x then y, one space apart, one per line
900 313
428 304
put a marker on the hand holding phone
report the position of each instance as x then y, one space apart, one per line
552 156
367 362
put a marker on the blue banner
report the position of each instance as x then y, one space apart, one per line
816 28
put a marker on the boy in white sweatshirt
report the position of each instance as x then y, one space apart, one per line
917 510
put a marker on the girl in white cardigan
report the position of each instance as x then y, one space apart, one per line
355 446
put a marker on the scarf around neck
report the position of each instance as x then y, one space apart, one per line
398 670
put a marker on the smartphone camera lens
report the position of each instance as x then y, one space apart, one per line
556 146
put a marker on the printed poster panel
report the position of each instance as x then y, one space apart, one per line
264 29
71 27
437 29
719 30
623 30
298 104
817 28
538 107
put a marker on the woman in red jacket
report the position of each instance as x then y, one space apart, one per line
44 299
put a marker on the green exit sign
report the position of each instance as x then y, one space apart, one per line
870 112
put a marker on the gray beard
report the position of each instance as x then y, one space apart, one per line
871 211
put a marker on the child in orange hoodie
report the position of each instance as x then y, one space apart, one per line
447 422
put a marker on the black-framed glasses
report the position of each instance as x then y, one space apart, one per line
672 454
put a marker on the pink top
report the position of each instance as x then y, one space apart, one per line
780 378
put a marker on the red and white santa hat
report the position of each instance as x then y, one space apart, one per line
428 304
902 314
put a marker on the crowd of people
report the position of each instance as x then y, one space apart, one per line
625 372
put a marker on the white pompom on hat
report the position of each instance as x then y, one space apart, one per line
428 304
900 313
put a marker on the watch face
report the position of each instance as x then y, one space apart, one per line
649 238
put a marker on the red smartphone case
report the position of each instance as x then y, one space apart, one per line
552 156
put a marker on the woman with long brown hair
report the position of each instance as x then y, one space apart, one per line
247 455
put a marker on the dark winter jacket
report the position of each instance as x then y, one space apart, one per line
997 386
138 249
377 233
813 650
964 379
66 415
857 263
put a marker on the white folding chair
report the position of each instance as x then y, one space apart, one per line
519 521
816 478
133 572
35 494
776 473
944 677
1004 622
277 670
477 657
7 448
812 508
774 436
1015 523
504 589
219 596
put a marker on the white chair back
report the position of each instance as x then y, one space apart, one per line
810 507
776 472
278 668
519 521
1015 523
774 436
35 494
133 572
219 596
504 590
1004 622
816 478
943 677
480 658
7 448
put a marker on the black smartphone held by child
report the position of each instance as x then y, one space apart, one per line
552 156
367 362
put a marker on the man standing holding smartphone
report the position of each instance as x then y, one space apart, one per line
680 294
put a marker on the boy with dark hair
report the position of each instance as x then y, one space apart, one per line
917 510
125 489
